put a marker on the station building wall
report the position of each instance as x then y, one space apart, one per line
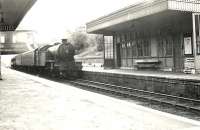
159 45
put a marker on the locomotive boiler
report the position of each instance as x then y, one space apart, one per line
55 60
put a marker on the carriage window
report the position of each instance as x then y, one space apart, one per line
108 41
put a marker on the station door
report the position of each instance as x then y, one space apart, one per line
178 54
108 52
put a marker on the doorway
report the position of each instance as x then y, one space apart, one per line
178 53
118 55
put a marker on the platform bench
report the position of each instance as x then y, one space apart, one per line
147 64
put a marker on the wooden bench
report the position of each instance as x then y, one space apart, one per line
147 64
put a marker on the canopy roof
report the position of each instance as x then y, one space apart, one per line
12 12
140 10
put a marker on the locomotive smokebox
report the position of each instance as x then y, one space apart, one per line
63 51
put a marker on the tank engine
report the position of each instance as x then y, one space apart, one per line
56 60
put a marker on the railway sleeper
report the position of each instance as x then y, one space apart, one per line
152 99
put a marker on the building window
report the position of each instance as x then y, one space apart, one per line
139 47
160 48
147 47
169 47
165 47
143 47
108 41
14 39
198 45
123 50
129 50
2 39
134 48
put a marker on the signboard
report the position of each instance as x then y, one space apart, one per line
189 66
188 45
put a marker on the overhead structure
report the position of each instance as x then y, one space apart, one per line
124 17
11 14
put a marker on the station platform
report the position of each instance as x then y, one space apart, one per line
32 103
158 74
177 84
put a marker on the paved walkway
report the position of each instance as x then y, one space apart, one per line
32 103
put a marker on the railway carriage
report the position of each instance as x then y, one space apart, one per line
27 59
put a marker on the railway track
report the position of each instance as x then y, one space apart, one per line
186 104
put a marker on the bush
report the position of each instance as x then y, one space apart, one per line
79 40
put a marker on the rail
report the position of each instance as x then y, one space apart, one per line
191 105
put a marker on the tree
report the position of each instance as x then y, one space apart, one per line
79 40
99 42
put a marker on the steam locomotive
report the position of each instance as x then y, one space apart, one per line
54 60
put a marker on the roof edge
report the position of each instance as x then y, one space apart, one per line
141 10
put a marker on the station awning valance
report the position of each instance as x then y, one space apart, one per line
140 10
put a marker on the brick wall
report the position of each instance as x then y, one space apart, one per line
177 87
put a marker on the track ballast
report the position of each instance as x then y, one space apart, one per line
187 105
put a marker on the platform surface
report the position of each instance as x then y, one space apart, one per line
32 103
159 74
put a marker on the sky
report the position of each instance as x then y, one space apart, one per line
51 19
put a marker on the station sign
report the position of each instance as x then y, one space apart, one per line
187 45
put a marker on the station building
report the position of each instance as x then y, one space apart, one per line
162 35
18 41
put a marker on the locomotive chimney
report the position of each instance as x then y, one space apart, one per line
64 40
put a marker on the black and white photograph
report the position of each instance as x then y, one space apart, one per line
99 65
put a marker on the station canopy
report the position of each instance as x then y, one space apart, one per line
12 12
126 18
